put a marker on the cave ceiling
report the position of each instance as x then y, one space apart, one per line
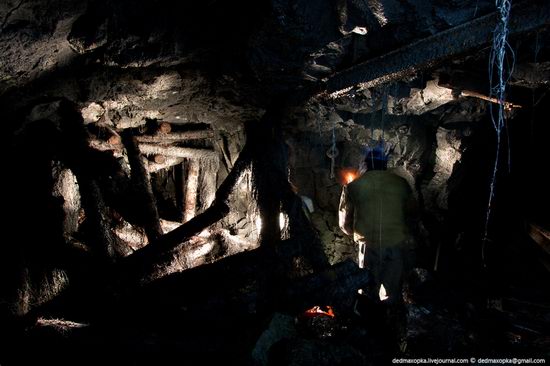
220 62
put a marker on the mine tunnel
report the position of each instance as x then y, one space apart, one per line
179 176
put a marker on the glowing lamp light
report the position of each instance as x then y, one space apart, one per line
348 175
350 178
382 293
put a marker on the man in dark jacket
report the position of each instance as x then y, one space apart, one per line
376 209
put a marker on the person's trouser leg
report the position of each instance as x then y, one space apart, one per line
391 274
376 314
368 302
392 278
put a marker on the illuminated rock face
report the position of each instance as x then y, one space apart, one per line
423 132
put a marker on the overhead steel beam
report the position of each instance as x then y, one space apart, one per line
524 17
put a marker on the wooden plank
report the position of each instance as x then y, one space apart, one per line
191 190
177 136
218 210
179 152
169 162
142 181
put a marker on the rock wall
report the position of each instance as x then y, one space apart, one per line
423 128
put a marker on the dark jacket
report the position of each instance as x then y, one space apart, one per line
375 209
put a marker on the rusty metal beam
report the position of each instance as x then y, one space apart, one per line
428 52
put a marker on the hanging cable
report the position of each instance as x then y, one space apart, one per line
497 65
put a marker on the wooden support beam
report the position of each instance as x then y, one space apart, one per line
101 145
97 214
191 189
103 134
179 182
78 156
208 178
471 36
176 136
218 210
179 152
142 181
110 135
169 162
159 159
114 140
225 154
66 187
164 128
269 202
255 156
131 236
168 226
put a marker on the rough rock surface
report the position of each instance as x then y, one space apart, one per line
220 64
422 134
